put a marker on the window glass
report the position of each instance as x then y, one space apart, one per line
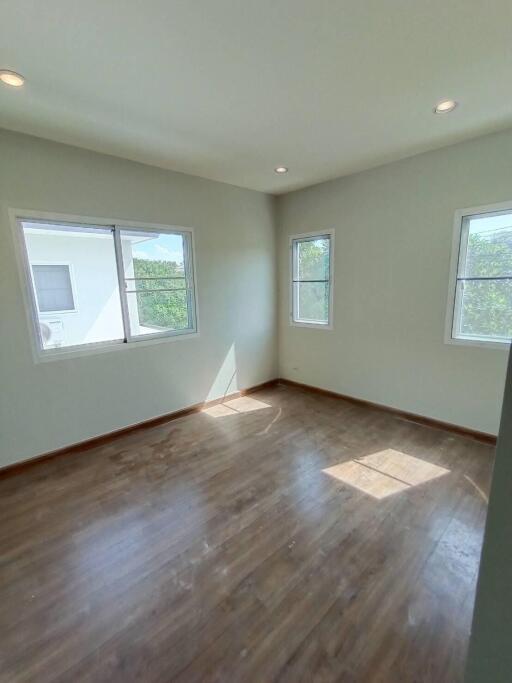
157 282
53 288
311 279
483 297
313 259
93 284
93 313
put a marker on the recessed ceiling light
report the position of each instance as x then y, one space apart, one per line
11 78
445 106
281 169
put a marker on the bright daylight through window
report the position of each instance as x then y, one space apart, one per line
93 284
311 295
52 283
482 297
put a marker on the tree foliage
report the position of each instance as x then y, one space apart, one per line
166 309
487 304
313 267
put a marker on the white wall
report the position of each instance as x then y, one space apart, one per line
47 405
393 239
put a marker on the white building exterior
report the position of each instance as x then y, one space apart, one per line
96 313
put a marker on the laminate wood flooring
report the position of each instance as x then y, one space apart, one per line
285 536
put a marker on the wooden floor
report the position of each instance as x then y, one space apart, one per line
216 548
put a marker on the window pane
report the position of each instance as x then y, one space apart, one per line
97 308
486 308
312 300
158 311
53 288
156 281
313 259
151 254
489 252
149 283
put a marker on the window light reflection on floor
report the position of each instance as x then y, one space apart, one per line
384 473
244 404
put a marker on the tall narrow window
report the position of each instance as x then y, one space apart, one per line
311 286
481 299
97 284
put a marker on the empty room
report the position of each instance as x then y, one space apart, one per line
256 311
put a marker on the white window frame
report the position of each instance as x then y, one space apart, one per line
294 239
18 216
452 309
71 279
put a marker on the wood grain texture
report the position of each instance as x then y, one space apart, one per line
404 414
216 548
106 438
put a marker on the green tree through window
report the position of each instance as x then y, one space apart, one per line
486 305
311 279
167 309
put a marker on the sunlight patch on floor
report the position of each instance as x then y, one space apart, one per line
219 410
244 404
384 473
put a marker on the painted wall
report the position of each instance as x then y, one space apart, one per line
393 238
47 405
393 230
490 655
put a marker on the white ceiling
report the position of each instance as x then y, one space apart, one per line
229 89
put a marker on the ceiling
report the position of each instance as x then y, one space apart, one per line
229 89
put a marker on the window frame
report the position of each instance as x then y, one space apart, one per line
452 312
189 269
18 216
69 266
294 239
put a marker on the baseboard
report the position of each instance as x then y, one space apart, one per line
95 441
402 414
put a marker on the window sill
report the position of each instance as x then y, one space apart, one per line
479 343
314 326
104 347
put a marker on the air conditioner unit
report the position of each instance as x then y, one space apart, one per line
52 333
